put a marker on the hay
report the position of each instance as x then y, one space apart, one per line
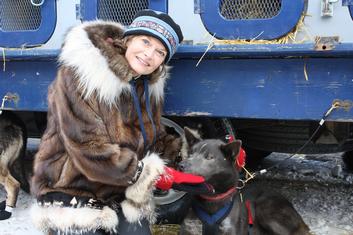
165 229
291 37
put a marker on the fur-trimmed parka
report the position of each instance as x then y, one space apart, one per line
93 140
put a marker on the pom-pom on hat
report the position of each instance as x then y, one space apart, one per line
159 25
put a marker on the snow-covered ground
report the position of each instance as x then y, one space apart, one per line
321 193
19 223
319 187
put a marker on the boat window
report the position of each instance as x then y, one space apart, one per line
249 19
119 11
26 23
248 9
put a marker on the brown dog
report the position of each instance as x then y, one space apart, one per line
231 211
12 146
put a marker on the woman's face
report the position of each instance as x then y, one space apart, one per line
145 54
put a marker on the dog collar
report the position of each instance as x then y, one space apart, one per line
220 196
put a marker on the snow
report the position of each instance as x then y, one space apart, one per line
19 223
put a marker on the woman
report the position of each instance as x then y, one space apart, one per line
97 161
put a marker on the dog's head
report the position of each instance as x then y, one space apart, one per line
211 158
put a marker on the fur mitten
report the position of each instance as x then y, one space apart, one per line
139 203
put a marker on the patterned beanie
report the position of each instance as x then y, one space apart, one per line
158 25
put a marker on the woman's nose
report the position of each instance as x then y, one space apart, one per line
149 52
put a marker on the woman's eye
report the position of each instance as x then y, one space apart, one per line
145 41
161 53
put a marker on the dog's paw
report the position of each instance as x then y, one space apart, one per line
5 215
2 205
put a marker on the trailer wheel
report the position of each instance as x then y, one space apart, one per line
172 205
254 157
348 160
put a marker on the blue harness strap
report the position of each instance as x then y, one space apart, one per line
139 112
148 108
210 223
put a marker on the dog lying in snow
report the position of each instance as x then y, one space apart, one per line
230 211
12 146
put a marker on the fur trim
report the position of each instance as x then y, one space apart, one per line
138 203
80 53
153 168
157 89
134 213
73 220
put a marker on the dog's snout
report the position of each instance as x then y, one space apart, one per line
185 166
181 166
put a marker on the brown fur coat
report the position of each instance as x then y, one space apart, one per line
93 139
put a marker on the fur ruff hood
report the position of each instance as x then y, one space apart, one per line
100 66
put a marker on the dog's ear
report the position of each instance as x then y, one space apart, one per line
231 150
191 136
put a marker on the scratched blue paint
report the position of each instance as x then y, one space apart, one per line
237 82
30 81
347 2
218 51
260 88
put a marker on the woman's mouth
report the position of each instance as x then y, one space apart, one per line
142 61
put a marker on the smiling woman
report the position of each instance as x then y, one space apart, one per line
144 54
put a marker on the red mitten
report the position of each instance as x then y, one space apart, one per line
184 182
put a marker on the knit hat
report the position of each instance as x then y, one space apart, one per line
158 25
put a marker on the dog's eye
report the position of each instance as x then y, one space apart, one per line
209 156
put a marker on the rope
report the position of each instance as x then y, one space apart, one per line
209 46
4 60
335 105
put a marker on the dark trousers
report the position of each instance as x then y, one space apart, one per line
124 228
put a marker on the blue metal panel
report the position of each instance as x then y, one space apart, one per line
218 51
226 83
32 38
271 28
29 80
29 54
347 2
89 9
159 5
260 88
263 50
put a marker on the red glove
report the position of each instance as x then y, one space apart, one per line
184 182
